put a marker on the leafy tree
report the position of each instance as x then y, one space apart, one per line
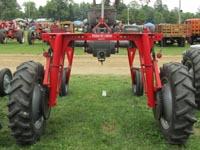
10 9
134 4
158 5
140 16
71 13
149 11
158 17
187 15
30 9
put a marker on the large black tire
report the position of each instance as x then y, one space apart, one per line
64 85
3 36
177 109
31 37
191 59
5 78
137 86
25 115
20 36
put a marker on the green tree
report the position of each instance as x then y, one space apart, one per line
134 4
9 9
71 12
149 11
30 9
158 17
158 5
140 16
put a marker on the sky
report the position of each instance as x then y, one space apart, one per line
186 5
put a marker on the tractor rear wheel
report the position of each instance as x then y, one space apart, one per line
25 115
177 105
191 59
64 85
20 36
137 86
3 36
5 78
31 37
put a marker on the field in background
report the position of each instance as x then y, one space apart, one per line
12 47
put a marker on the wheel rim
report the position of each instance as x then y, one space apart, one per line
66 88
38 119
6 83
166 117
22 39
134 88
4 38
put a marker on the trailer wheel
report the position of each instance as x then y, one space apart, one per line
163 42
137 86
190 41
25 109
181 42
20 36
177 103
191 59
5 78
31 37
3 36
64 85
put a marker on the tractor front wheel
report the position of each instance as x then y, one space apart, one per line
176 105
64 84
5 78
137 85
26 118
31 37
20 36
3 36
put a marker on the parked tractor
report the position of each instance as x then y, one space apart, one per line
34 89
11 31
65 26
35 32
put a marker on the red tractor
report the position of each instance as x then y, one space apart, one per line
35 32
10 30
34 89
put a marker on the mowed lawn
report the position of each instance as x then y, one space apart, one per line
85 120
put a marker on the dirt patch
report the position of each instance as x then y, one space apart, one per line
85 64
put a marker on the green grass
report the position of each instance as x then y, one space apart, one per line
84 120
12 47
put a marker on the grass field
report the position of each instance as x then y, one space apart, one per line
84 120
12 47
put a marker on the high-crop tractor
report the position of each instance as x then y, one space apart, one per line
34 88
5 78
11 31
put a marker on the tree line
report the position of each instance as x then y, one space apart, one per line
62 10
